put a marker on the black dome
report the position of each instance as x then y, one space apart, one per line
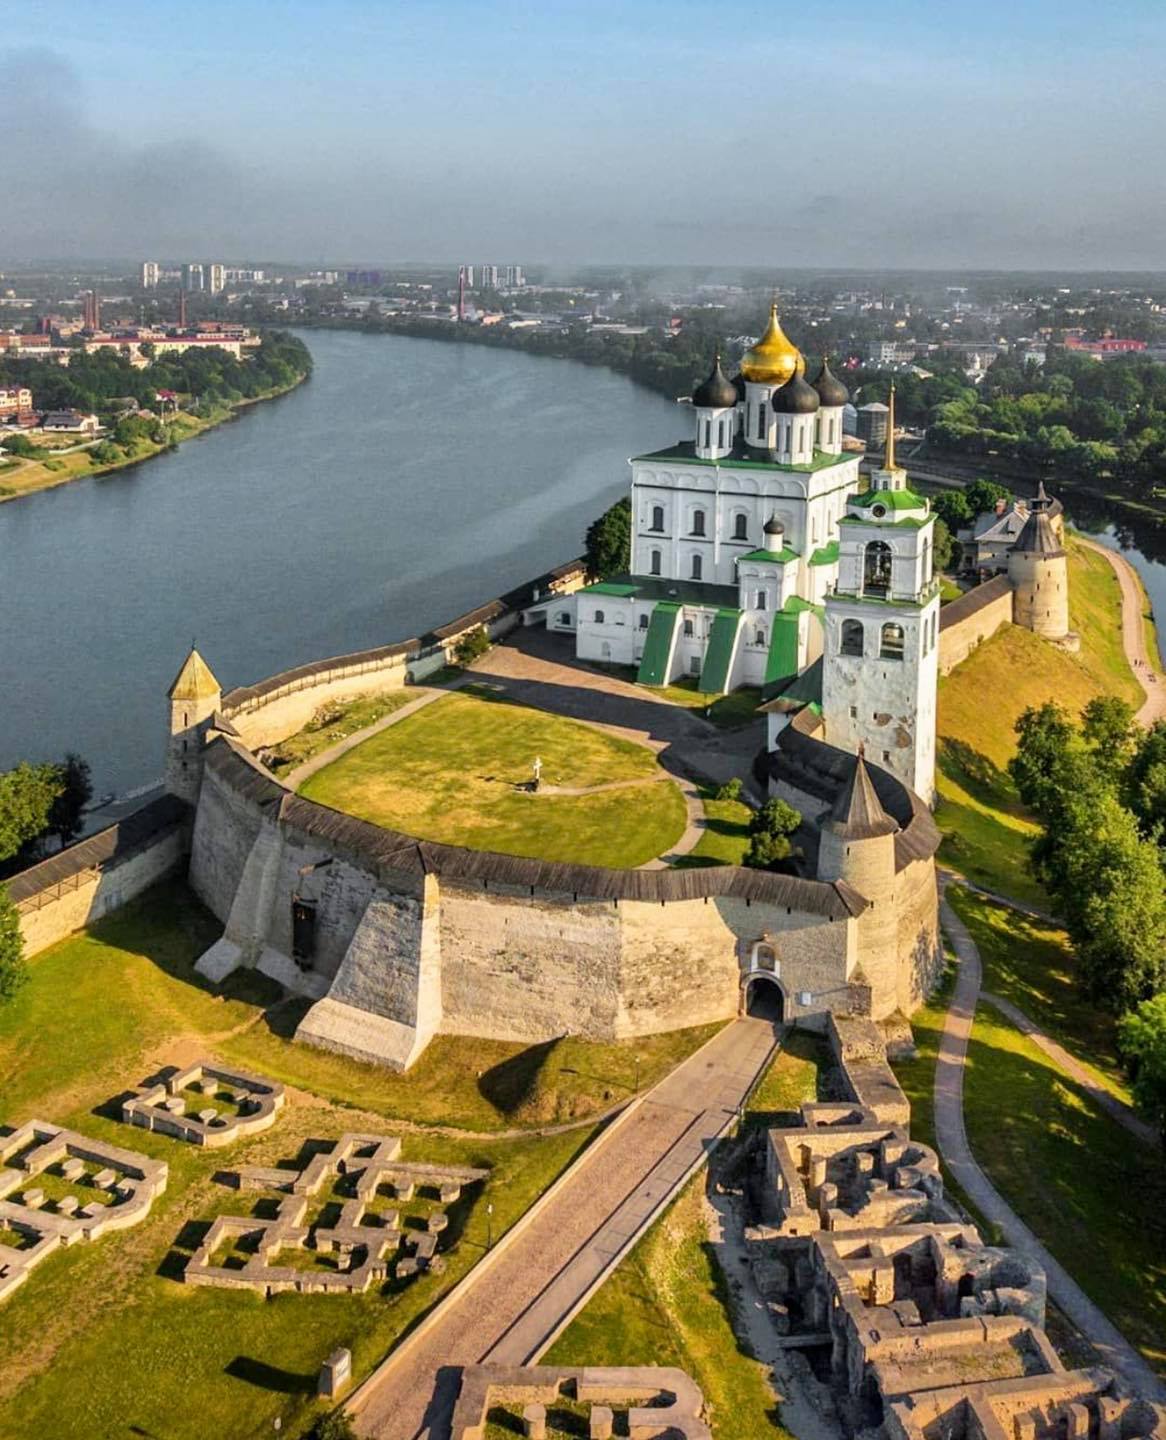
831 390
773 526
717 392
796 397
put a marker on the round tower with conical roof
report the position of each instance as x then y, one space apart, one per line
194 697
1038 569
857 845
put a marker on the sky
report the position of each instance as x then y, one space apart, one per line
653 132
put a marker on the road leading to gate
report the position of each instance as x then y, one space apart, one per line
522 1296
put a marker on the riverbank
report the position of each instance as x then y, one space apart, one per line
20 477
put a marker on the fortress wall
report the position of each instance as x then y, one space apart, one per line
62 909
284 712
225 828
920 950
969 626
517 967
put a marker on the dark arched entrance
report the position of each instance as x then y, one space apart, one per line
764 998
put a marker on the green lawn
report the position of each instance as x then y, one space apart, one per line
103 1010
452 771
333 723
986 829
725 837
728 712
1033 966
796 1075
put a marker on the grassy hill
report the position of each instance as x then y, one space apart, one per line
986 829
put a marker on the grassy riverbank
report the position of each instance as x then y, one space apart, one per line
21 476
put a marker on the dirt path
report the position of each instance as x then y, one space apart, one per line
1133 634
952 1140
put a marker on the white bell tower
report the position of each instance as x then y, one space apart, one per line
881 668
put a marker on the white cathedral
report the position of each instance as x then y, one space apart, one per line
757 560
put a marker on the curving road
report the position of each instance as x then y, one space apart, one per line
952 1140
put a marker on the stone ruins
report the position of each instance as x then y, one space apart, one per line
59 1188
659 1402
355 1190
912 1322
244 1104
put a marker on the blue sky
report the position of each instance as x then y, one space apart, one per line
1023 134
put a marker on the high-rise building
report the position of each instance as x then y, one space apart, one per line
193 277
487 277
467 272
218 278
91 311
514 277
150 271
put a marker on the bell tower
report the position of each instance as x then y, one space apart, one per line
194 697
881 667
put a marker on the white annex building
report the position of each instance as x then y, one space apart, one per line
756 560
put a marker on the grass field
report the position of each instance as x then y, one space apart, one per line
334 723
452 771
728 712
102 1011
726 834
986 829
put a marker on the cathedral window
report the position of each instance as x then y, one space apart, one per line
656 562
721 434
657 517
564 617
599 617
688 630
876 574
707 428
698 522
852 638
760 638
761 421
643 622
740 527
697 567
892 646
761 604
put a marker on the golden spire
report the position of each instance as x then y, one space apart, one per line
889 457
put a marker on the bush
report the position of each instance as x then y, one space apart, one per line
107 453
472 645
730 790
13 972
20 445
769 831
336 1426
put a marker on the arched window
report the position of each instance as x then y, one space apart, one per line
765 958
926 560
657 517
657 560
698 522
599 617
697 567
760 639
740 527
564 617
761 604
720 434
892 646
876 573
707 428
761 421
852 638
643 622
688 629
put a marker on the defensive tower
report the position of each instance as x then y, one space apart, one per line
1038 569
194 698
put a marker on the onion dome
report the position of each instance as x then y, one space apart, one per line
774 358
773 526
831 390
796 397
717 392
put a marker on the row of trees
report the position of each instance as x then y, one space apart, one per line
92 382
1099 790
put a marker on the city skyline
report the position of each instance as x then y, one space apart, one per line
1007 138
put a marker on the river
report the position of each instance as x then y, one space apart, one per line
406 482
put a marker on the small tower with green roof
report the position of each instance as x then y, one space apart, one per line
881 669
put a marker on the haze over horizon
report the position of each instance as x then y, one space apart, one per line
653 133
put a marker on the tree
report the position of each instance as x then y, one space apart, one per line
13 972
472 645
1144 781
942 547
1107 725
609 541
952 508
1046 733
27 795
67 810
983 494
769 832
1142 1034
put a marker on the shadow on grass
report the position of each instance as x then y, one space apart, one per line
980 777
186 1242
513 1083
270 1377
283 1018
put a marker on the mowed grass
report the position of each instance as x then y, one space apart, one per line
452 773
334 723
1033 965
1091 1193
987 832
667 1303
727 712
725 836
103 1010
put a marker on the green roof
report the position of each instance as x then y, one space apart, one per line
662 587
892 499
795 605
718 659
782 660
770 557
741 457
806 688
610 587
908 522
828 555
658 644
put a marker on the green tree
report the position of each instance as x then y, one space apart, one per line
1107 726
27 795
769 832
472 645
609 541
942 546
983 494
952 508
1144 781
1142 1034
67 811
1046 733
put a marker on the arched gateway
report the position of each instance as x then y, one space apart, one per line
763 997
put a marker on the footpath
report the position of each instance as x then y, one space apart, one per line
1133 635
518 1298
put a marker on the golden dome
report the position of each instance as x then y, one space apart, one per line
774 358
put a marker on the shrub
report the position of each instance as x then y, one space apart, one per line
730 790
473 644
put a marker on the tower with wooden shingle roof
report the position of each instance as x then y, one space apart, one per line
194 697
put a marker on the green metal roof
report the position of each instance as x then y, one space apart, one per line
718 659
828 555
610 587
908 522
770 557
892 499
742 458
782 660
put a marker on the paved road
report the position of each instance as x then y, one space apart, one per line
1133 635
513 1304
951 1136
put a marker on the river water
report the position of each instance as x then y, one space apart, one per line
405 483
